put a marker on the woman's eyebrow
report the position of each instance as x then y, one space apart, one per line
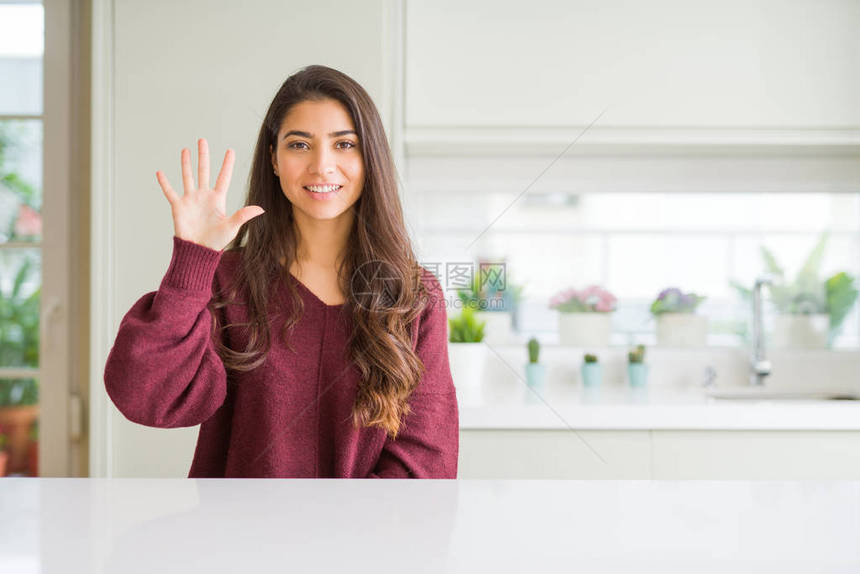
311 136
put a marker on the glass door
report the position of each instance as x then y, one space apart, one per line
21 129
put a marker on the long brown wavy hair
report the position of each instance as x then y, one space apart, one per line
379 273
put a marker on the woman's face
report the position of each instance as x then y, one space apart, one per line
318 160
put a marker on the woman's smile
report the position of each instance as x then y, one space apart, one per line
323 192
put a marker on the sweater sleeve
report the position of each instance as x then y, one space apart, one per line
427 444
162 370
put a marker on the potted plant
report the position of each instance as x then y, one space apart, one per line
466 353
841 296
637 370
4 456
19 346
592 371
810 311
584 318
535 371
494 302
678 325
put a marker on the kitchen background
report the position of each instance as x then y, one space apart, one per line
630 147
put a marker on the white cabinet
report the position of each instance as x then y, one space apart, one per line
562 454
532 454
659 454
729 64
755 455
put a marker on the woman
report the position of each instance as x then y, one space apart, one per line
300 332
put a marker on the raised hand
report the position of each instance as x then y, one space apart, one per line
199 215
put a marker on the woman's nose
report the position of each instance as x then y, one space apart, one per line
322 162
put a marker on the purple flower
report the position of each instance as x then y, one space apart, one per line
669 293
672 299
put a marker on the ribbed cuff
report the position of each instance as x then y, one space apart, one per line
192 266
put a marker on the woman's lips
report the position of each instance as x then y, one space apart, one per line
323 196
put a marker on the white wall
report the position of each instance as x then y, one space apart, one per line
184 70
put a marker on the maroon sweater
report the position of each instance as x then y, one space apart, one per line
291 417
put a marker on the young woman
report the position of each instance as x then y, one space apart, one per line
300 332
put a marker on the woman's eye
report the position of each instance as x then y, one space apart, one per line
294 144
348 143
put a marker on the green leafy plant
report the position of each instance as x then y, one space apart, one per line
534 350
19 338
466 328
589 358
637 355
19 315
841 295
804 295
807 294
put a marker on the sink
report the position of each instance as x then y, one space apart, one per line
765 394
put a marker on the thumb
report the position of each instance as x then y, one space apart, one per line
246 214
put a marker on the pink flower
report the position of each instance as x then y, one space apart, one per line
562 297
29 221
598 298
593 298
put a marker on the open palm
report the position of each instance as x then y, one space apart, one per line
200 215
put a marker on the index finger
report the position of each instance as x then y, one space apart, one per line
226 172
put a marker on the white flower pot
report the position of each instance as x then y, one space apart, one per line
467 362
682 330
498 329
584 329
800 331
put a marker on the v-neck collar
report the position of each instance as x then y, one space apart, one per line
313 295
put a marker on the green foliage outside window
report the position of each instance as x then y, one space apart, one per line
19 313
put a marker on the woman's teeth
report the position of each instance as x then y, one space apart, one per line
322 188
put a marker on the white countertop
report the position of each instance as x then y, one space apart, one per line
674 398
507 406
86 526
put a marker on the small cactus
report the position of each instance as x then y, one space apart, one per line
637 356
589 358
534 350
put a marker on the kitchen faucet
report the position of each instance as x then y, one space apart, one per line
760 365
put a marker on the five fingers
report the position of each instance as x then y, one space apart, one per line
221 184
